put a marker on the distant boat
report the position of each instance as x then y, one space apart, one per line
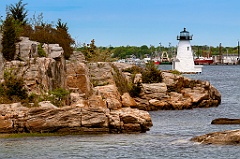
203 60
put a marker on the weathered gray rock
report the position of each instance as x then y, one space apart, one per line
26 49
230 137
53 50
153 91
169 79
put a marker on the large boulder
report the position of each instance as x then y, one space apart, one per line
129 120
154 90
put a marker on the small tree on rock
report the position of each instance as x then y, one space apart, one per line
9 39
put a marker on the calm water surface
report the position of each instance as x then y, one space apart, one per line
168 138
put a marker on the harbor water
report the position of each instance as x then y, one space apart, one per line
169 138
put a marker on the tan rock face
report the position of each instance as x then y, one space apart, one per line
77 77
92 117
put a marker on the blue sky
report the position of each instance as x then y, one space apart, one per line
142 22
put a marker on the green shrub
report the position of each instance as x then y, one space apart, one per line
13 87
41 52
58 96
151 74
135 90
121 82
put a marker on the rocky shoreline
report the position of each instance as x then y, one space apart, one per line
95 104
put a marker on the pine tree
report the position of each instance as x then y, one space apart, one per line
18 12
9 39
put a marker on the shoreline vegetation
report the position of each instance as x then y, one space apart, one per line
45 134
22 135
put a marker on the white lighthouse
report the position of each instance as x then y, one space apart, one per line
184 60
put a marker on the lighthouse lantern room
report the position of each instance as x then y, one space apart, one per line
184 61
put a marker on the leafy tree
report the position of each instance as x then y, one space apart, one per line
9 39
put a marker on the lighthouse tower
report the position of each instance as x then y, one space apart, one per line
184 60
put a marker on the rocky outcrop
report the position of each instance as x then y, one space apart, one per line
91 117
91 109
225 121
231 137
98 100
177 92
40 74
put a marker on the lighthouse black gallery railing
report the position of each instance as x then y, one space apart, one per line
184 37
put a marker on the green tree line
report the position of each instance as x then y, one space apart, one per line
123 52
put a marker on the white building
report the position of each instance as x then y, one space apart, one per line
184 60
